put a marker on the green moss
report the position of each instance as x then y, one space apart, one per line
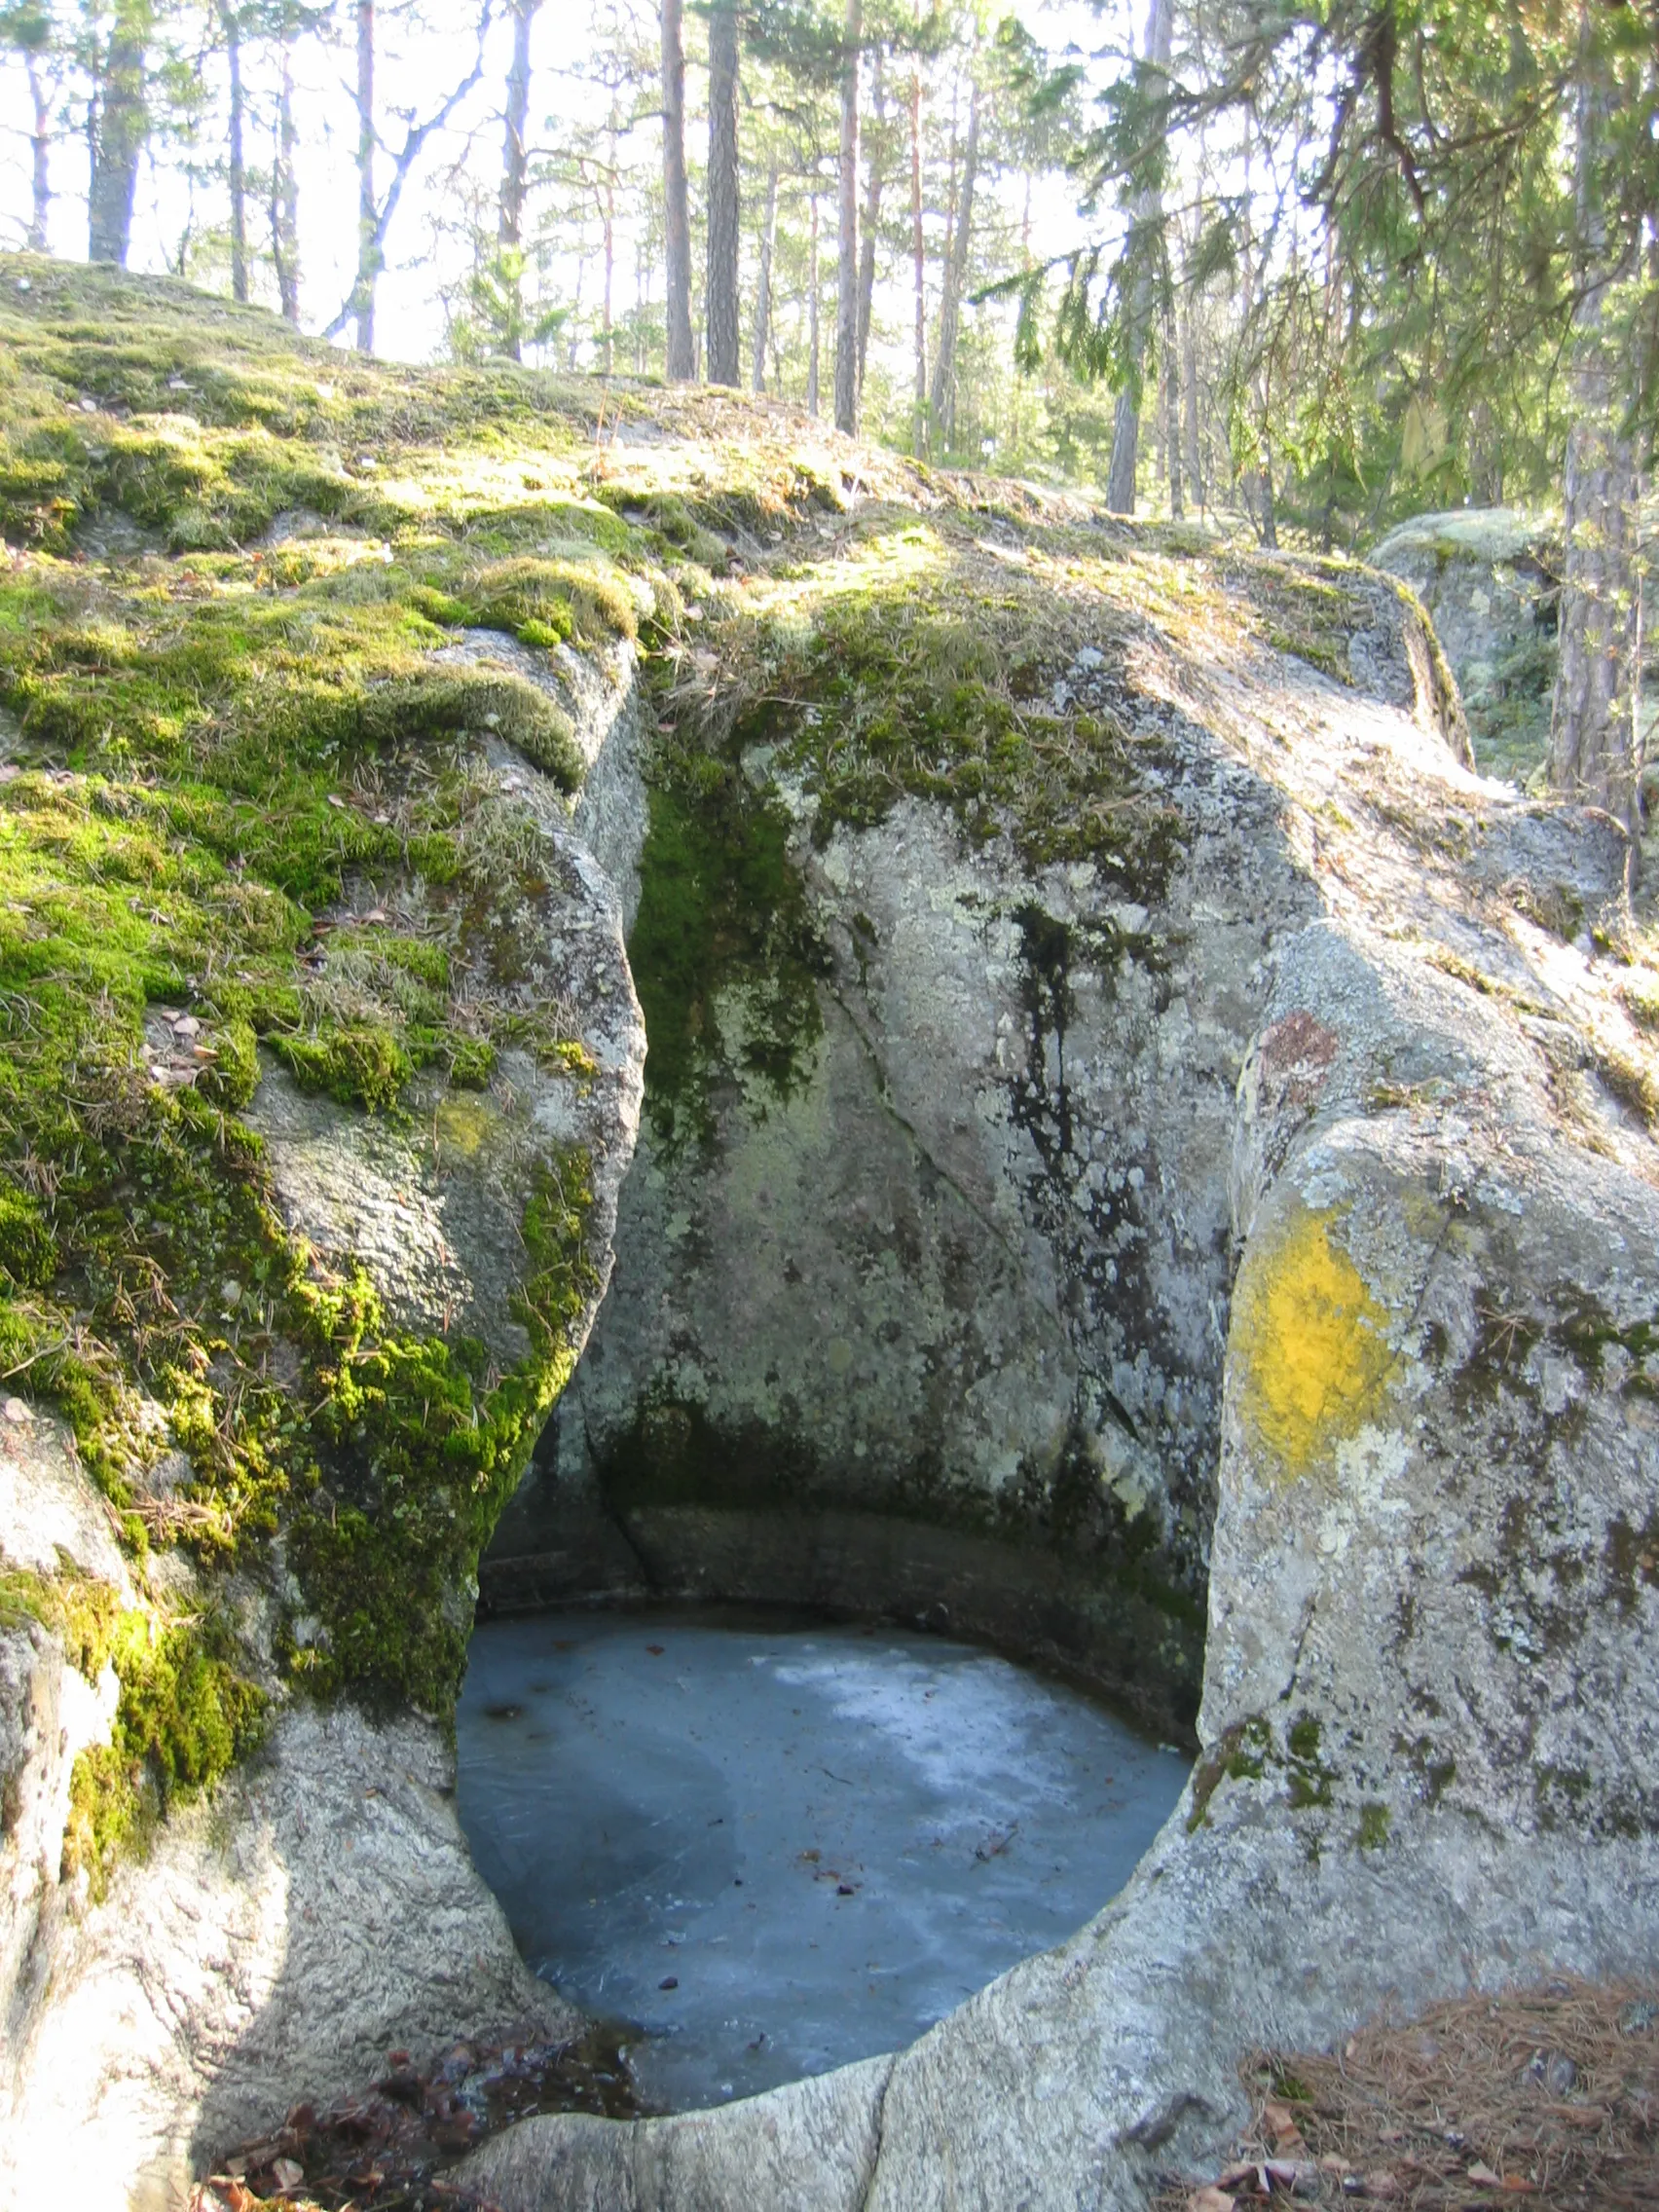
1310 1782
361 1065
473 1063
424 1452
1588 1330
441 607
110 1814
221 751
80 1611
677 526
1308 1787
1562 1795
186 1715
725 956
572 598
477 698
1290 2088
1302 1739
1375 1822
1633 1082
1240 1755
28 1250
913 659
232 1078
1294 607
1631 1558
1554 907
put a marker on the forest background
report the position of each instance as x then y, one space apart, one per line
1311 264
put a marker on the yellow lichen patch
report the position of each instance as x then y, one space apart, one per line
1310 1344
463 1124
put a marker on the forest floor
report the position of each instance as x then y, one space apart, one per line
1546 2096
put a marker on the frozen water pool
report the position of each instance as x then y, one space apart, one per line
771 1849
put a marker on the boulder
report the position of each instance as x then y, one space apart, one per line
274 1943
1146 1158
1423 1223
1489 578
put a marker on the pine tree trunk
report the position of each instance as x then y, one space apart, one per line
1268 523
873 156
238 159
919 258
368 214
1593 756
1171 380
943 398
763 282
515 159
606 328
1190 406
812 313
677 217
847 264
515 174
285 197
39 146
118 128
1147 210
1590 751
724 210
1125 451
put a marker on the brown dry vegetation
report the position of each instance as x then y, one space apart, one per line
1546 2096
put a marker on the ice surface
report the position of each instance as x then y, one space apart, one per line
659 1795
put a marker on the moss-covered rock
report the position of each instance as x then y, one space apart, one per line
318 1065
1490 578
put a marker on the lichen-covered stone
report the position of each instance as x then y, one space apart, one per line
1428 1731
1489 579
357 1081
1135 1130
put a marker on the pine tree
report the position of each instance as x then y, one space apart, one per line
720 305
27 29
118 124
682 354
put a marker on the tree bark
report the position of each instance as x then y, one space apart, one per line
515 173
607 326
238 159
118 126
677 215
1170 378
1147 208
813 323
285 196
726 215
874 156
847 267
1190 406
368 212
944 398
39 147
919 259
1593 756
1266 523
763 282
